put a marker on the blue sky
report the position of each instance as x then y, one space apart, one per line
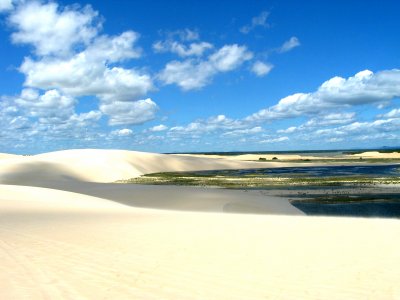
176 76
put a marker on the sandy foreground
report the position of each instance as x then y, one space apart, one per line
65 233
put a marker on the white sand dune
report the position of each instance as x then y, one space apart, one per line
70 241
95 165
105 166
376 154
75 170
7 156
60 245
78 170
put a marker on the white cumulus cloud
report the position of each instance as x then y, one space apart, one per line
6 5
112 49
158 128
76 60
184 35
363 88
258 21
260 69
331 119
246 131
88 73
122 132
193 49
290 44
212 124
52 104
180 42
288 130
275 140
51 30
188 74
194 74
84 119
362 128
229 57
137 112
394 113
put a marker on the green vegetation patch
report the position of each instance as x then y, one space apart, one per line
254 180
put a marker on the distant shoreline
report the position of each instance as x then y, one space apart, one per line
338 151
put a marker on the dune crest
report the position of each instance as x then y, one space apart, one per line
96 165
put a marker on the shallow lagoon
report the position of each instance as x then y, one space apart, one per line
355 205
386 207
392 170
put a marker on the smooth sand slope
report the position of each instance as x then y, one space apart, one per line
70 241
8 156
183 198
61 245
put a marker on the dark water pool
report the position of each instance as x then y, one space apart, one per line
365 205
384 206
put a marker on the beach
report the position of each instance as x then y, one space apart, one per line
68 232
